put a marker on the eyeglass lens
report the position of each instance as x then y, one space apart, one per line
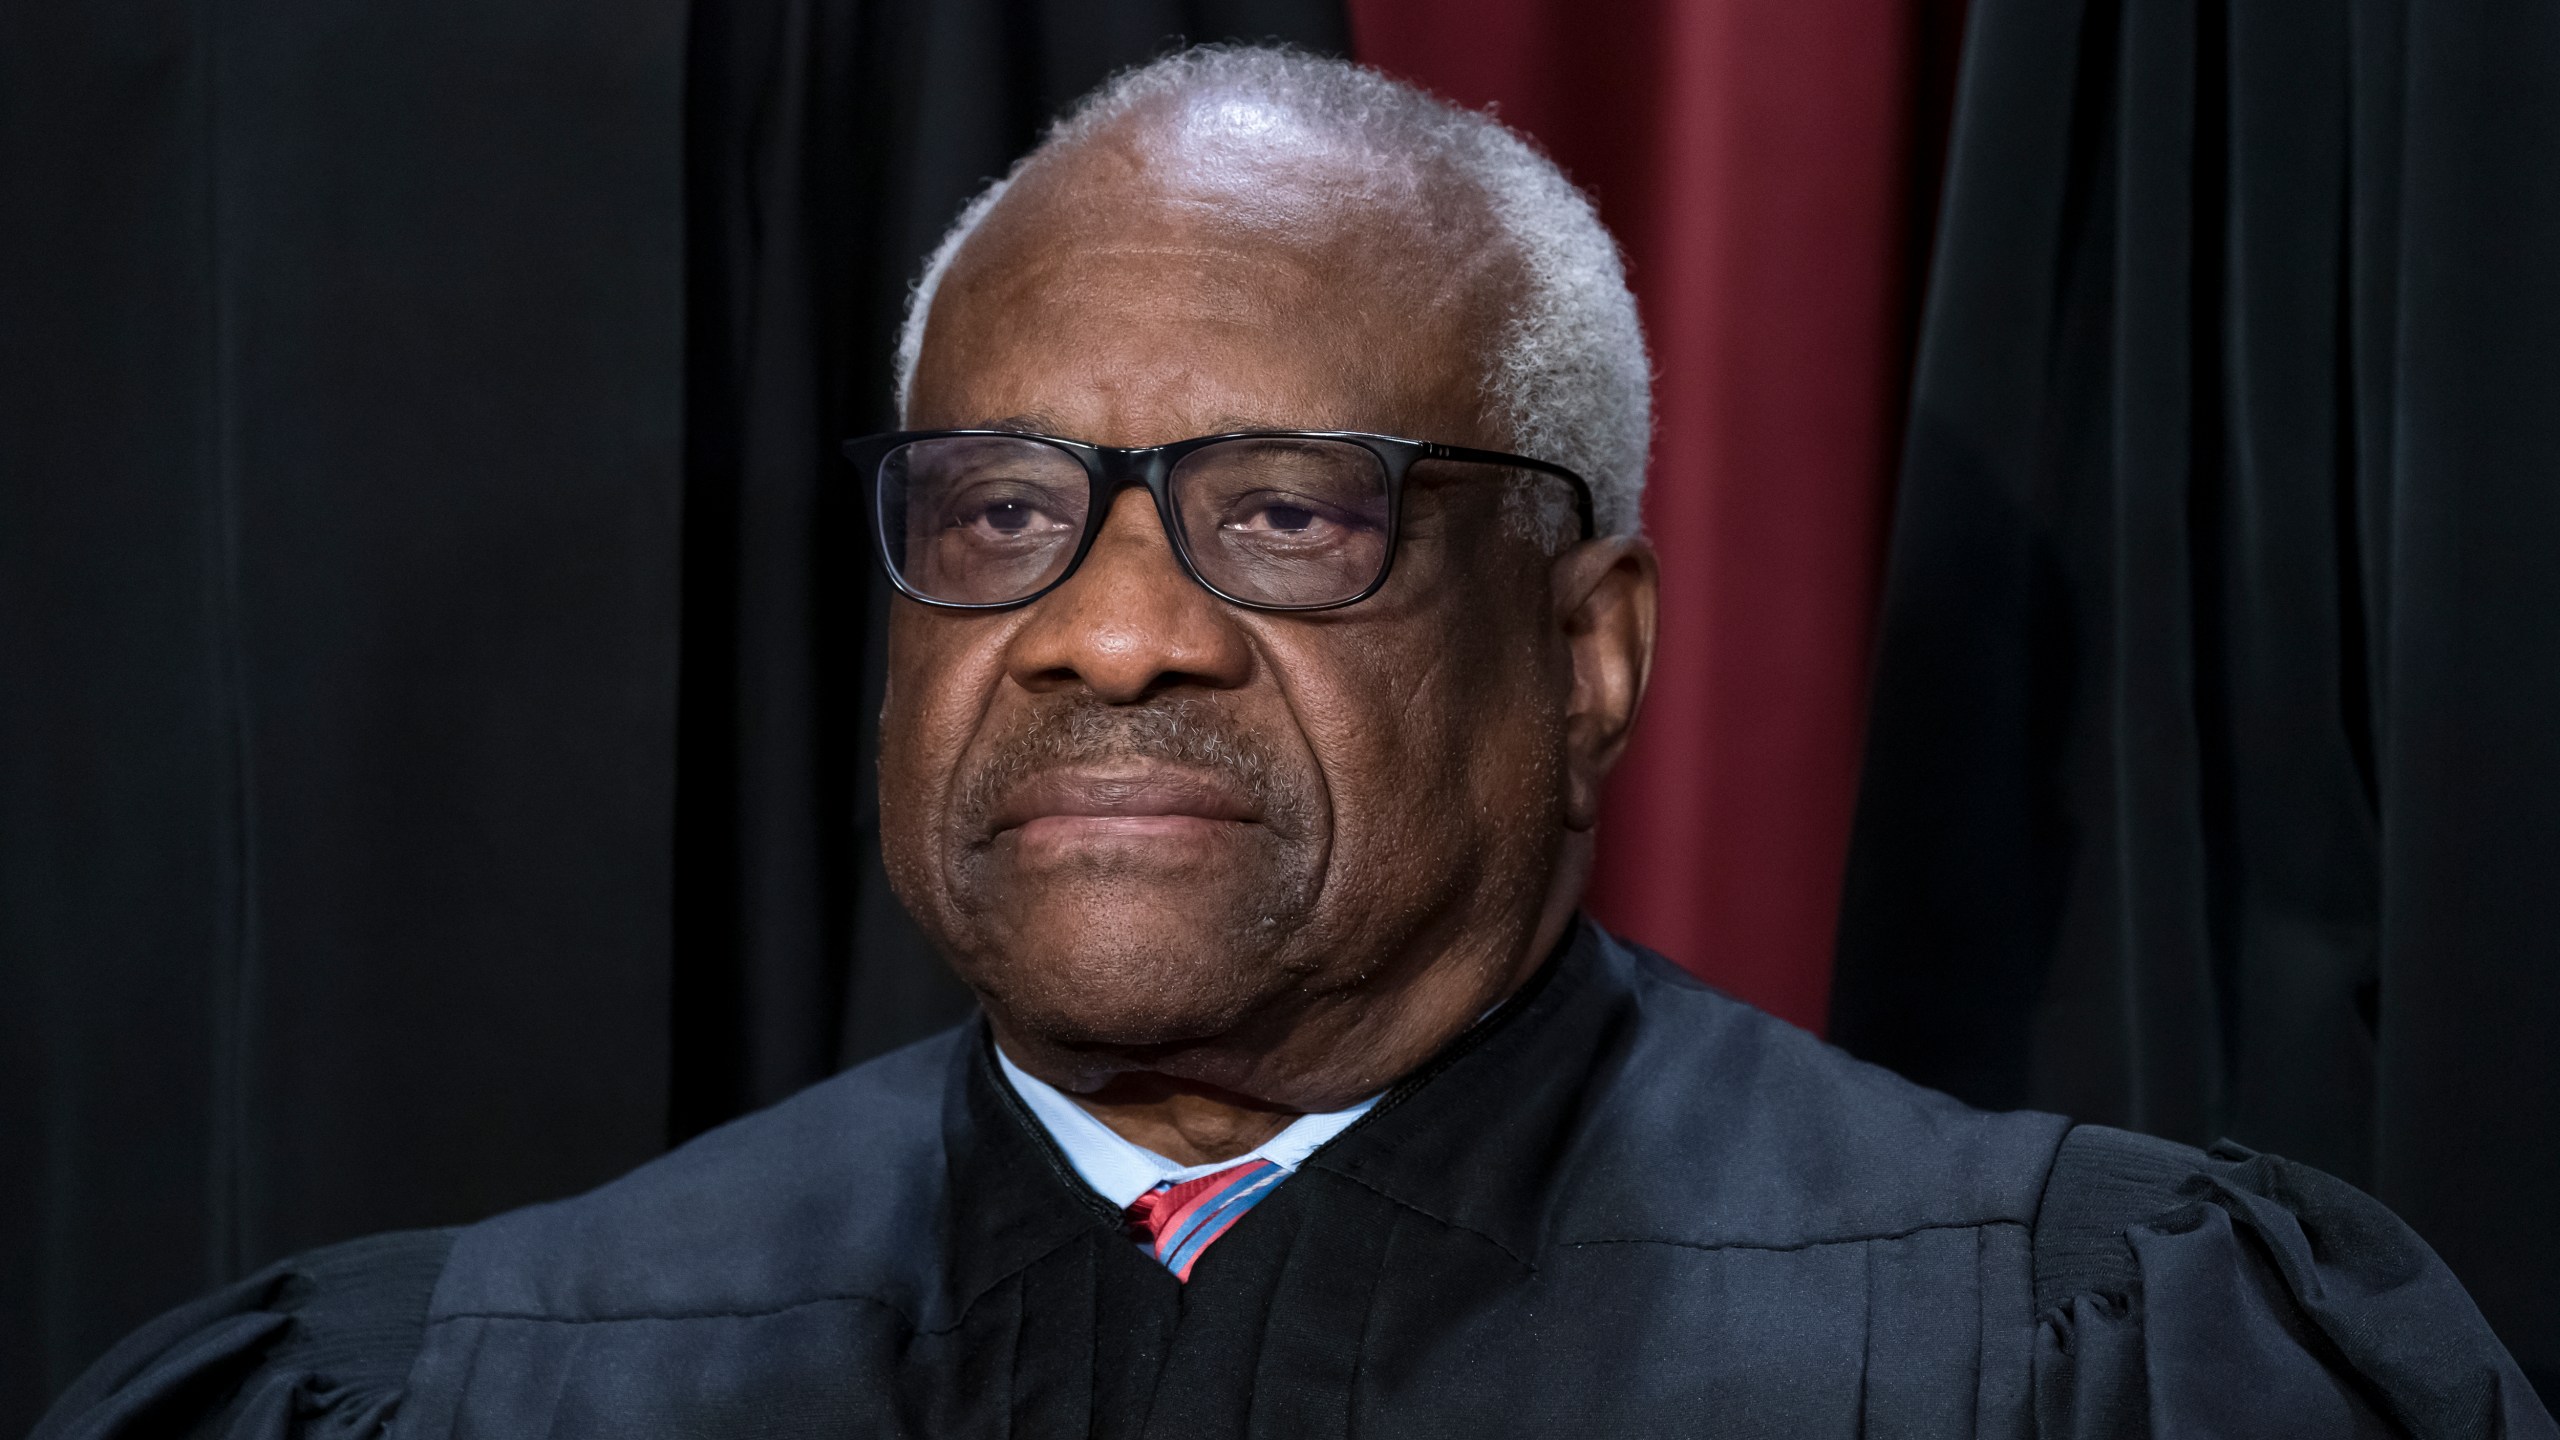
1268 520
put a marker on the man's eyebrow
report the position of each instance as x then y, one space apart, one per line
1029 423
1039 422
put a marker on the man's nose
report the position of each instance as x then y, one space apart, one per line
1129 623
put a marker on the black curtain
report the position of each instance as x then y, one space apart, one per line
341 405
2213 782
437 660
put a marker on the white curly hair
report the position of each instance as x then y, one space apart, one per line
1570 380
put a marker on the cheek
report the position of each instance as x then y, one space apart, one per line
1437 752
941 678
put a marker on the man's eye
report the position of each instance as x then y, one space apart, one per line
1006 518
1274 517
1009 517
1284 518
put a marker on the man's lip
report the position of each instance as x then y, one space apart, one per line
1156 790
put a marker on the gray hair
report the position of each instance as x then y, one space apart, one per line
1570 380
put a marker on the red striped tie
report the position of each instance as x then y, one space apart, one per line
1177 1222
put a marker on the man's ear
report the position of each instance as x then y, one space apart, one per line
1607 594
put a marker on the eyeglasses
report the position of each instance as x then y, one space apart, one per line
1267 519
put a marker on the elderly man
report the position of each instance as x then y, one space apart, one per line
1274 610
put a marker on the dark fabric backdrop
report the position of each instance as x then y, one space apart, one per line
2213 784
434 695
342 410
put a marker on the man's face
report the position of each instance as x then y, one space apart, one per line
1137 817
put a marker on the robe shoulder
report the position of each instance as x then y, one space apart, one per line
2198 1292
317 1347
2175 1291
750 1216
1715 1124
835 1193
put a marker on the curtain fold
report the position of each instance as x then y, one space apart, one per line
2210 783
339 399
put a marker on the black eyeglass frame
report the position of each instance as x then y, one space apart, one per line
1110 469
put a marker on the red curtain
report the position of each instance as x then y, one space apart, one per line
1766 164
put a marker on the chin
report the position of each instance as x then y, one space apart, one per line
1126 971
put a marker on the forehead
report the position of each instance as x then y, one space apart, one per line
1150 280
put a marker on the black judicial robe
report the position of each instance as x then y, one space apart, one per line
1622 1205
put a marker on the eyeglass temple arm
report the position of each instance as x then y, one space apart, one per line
1434 450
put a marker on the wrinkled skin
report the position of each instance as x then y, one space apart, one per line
1209 868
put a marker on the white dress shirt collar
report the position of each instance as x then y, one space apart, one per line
1121 1172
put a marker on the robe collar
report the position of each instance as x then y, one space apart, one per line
1468 1138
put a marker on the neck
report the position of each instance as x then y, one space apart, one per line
1187 1123
1333 1056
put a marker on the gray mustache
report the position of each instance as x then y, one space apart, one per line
1185 730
